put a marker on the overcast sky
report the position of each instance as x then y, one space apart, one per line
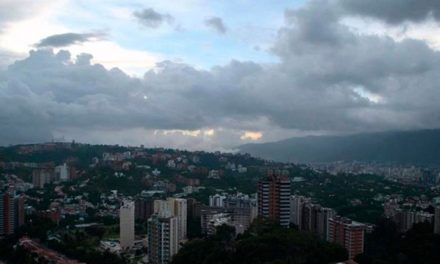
215 74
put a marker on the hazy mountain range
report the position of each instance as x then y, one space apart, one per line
410 147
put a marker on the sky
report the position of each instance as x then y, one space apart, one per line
212 75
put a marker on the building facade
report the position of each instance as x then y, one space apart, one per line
163 240
274 198
11 212
348 234
126 224
144 208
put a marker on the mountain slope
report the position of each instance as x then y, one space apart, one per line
411 147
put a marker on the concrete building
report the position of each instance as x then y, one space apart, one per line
11 212
296 207
62 172
274 198
218 220
144 208
180 210
193 207
163 241
174 207
41 177
126 224
348 234
216 200
437 220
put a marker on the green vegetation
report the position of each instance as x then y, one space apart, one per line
263 243
386 246
339 191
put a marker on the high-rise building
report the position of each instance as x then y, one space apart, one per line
179 210
194 207
163 241
126 224
274 198
296 207
43 176
216 200
62 172
11 212
437 220
348 234
19 213
144 208
174 207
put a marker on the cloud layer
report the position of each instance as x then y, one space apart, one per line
329 79
394 11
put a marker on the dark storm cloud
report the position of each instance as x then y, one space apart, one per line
394 11
216 24
152 19
328 78
67 39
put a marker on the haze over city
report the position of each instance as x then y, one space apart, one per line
213 75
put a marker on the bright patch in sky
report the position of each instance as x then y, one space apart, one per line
251 135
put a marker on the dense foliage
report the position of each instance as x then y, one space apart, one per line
387 246
262 243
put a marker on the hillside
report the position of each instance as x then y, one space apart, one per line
411 147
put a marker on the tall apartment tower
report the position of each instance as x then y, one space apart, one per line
174 207
163 241
437 220
126 224
274 198
11 212
347 233
179 209
144 208
296 207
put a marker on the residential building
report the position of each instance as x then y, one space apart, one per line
163 241
126 224
216 200
174 207
144 208
347 233
274 197
437 220
62 172
11 212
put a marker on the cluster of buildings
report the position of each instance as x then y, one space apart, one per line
49 174
276 204
410 175
405 218
167 226
236 210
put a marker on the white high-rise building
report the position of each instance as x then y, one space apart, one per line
216 200
173 207
62 172
126 224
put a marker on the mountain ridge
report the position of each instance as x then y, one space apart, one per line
417 147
